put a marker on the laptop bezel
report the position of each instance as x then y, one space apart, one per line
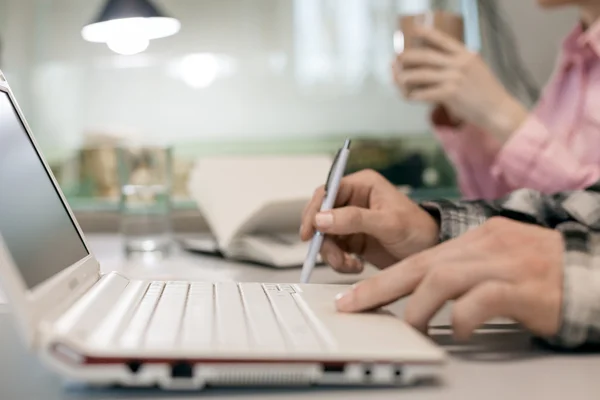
30 305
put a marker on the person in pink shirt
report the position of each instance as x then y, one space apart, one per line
499 146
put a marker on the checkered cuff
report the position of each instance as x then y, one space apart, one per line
580 314
455 218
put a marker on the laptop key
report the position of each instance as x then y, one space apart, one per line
231 333
263 325
201 287
198 321
287 288
165 323
133 333
297 329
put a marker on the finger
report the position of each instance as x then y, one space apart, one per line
401 279
353 264
368 248
445 282
486 301
350 220
354 188
384 288
420 77
439 40
313 206
454 267
397 74
425 58
371 250
397 65
333 255
431 94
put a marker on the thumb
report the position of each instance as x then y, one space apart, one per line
351 220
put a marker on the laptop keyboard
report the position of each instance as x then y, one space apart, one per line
224 316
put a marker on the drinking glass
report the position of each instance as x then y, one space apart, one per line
447 16
145 176
443 15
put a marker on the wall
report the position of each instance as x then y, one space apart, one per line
17 32
281 76
344 89
540 33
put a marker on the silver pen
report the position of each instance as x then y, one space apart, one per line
336 173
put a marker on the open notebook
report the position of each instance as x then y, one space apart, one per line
253 205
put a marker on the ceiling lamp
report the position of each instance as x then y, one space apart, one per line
127 26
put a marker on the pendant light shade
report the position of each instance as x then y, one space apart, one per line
127 26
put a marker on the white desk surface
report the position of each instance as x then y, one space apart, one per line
501 362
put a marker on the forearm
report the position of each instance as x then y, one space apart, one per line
506 120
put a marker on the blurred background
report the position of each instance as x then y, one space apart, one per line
239 77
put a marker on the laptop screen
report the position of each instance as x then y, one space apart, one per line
34 223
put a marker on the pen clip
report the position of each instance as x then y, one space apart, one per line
333 165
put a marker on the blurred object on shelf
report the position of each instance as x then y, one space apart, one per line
416 163
181 171
445 170
373 154
410 162
98 166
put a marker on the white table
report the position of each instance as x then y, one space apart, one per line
501 362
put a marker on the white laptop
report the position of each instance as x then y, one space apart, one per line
112 330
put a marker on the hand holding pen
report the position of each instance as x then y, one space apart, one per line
372 221
336 173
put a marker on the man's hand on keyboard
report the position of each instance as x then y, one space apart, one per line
502 269
373 221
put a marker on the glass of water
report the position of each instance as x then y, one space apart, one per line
145 176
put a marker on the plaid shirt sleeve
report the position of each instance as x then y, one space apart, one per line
577 216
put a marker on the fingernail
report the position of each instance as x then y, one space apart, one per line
343 301
324 220
351 262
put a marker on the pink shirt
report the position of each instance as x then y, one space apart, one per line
558 146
